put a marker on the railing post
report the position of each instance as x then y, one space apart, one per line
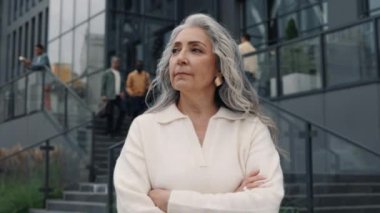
43 90
376 35
91 167
66 109
278 72
46 188
111 166
26 94
309 168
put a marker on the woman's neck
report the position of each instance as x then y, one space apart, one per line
195 106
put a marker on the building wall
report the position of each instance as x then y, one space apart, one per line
24 25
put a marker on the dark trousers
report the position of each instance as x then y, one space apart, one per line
112 104
137 106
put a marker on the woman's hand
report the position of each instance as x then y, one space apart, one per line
160 198
252 180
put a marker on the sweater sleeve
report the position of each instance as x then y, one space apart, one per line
131 178
265 199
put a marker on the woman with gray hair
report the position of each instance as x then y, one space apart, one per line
204 145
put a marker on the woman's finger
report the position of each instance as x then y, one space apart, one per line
254 185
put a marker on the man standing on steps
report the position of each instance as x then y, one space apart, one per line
137 85
112 93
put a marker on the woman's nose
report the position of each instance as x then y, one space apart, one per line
182 57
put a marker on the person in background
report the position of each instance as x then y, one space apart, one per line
137 85
112 93
204 145
250 62
39 62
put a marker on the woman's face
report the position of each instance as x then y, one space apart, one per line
192 65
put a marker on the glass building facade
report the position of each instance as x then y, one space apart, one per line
81 37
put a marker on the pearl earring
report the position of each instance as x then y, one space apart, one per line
218 80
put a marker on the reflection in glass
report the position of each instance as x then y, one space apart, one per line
53 52
67 15
64 69
300 66
54 18
255 12
81 10
80 50
266 74
19 97
95 41
34 91
258 35
96 6
159 8
92 95
360 64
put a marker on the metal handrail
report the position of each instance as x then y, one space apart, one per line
42 141
46 72
332 132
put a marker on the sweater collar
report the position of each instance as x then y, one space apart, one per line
172 113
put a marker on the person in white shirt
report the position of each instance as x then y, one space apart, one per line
112 92
250 62
204 145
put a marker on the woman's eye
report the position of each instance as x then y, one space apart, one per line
175 50
196 50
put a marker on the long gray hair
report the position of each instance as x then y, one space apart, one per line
236 93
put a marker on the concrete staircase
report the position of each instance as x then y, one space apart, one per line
87 198
90 197
335 194
101 144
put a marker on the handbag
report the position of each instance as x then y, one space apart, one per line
103 109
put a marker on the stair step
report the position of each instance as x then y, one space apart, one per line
321 200
102 178
49 211
63 205
85 196
93 187
349 209
331 188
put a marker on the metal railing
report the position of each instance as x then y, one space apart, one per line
308 135
40 153
317 63
42 91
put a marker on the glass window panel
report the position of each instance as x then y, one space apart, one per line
255 12
359 64
374 4
67 15
160 8
19 97
266 73
97 6
54 18
300 66
80 50
285 6
95 41
134 6
312 19
258 35
288 27
81 10
53 51
64 71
